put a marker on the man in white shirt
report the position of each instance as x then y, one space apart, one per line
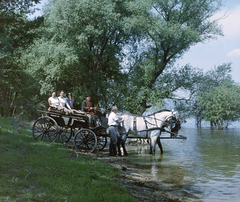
113 122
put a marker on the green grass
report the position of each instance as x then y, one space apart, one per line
32 171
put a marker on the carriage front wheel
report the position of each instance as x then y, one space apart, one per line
45 129
101 142
85 140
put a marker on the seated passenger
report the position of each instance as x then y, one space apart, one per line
69 101
87 107
54 103
66 108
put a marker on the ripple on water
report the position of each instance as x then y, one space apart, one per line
205 166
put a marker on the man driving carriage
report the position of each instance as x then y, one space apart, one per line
87 107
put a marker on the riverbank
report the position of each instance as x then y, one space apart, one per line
33 171
133 179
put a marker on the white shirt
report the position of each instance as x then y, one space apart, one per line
63 101
112 119
54 101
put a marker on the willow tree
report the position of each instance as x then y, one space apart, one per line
213 78
81 49
170 28
220 104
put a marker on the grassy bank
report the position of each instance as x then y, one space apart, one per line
32 171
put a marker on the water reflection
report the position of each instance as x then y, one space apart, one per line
205 166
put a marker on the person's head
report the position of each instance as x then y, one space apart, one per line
53 93
69 95
61 93
88 96
114 109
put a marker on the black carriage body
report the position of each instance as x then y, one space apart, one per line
53 126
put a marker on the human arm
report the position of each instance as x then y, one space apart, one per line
50 104
120 120
85 106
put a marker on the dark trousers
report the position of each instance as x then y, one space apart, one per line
113 132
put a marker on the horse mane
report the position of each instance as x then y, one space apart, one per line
137 115
162 110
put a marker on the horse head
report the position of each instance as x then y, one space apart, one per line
167 117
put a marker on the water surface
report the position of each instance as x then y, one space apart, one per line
205 167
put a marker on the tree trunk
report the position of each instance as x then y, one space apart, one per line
211 124
219 125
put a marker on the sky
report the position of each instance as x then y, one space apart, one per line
225 49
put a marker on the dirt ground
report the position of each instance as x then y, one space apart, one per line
138 185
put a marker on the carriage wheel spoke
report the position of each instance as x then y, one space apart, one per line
85 140
46 128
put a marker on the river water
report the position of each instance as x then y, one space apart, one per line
205 167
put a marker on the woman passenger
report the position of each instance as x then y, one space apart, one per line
69 101
54 102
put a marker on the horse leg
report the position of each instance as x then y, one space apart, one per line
124 137
160 144
153 144
124 149
150 147
118 145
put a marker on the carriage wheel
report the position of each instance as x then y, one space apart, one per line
64 135
101 142
85 140
45 129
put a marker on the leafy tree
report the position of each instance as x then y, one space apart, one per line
81 49
220 104
22 6
170 28
14 36
204 82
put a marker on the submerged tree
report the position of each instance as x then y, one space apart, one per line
205 82
220 104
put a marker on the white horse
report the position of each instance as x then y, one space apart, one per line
146 126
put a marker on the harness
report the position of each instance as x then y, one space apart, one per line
146 124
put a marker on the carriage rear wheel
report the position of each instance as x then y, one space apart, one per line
45 129
64 135
85 140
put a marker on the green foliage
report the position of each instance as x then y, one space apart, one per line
22 6
33 171
205 82
81 49
122 51
169 28
220 103
17 88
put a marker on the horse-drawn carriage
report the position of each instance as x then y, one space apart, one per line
55 126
